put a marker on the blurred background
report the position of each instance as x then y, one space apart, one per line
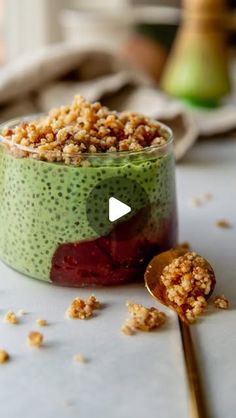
128 27
180 47
26 25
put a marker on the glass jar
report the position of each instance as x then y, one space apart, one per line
56 220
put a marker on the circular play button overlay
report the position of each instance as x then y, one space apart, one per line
118 203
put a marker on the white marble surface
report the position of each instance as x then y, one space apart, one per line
128 376
211 168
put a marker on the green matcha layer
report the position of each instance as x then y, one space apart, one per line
43 205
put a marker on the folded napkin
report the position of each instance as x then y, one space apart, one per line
52 76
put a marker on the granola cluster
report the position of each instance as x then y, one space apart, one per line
35 339
188 281
21 312
4 356
66 133
223 223
10 318
221 302
82 309
202 199
79 358
142 318
41 322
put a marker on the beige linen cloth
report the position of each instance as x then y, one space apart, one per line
52 76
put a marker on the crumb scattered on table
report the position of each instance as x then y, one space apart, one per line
41 322
184 245
196 201
10 318
127 329
68 402
4 356
80 358
223 224
82 309
142 318
21 312
200 200
35 339
221 302
208 196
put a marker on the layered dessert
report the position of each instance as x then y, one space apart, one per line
57 172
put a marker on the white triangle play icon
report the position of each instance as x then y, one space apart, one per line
117 209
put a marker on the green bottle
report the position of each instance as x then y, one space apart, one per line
197 70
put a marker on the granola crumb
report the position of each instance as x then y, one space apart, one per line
21 312
82 309
221 302
142 318
127 329
80 358
10 318
4 356
208 196
196 201
184 245
93 303
188 281
223 224
35 339
41 322
68 402
200 200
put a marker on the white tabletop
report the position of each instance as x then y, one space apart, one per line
129 376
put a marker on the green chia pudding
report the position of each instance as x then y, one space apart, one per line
56 177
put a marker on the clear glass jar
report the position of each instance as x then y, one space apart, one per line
55 218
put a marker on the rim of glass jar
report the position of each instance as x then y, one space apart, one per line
88 155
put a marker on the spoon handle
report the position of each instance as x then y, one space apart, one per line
196 396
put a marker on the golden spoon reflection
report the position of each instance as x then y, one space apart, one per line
155 287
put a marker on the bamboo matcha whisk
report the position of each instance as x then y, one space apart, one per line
197 69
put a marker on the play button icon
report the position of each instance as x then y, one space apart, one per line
117 201
117 209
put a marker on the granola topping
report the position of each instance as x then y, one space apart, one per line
82 309
68 132
188 282
221 302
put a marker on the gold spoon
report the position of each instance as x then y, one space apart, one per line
156 289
